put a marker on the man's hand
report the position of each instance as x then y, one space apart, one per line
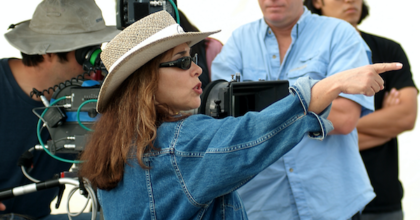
398 114
2 207
391 98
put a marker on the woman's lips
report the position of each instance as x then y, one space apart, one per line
198 89
351 10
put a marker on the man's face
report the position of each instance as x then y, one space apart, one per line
65 70
281 13
348 10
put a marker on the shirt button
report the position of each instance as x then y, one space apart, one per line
291 169
269 32
274 56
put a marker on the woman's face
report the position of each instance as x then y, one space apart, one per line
178 88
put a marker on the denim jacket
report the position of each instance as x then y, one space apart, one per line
203 161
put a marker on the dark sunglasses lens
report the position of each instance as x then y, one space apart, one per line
186 63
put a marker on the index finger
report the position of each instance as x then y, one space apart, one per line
385 67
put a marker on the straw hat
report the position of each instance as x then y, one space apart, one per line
61 26
139 43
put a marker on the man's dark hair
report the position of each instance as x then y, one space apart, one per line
310 5
34 60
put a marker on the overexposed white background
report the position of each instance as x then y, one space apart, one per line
397 20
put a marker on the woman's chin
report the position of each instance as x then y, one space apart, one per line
196 104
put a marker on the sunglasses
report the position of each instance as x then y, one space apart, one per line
183 63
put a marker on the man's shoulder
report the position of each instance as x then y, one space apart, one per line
378 39
253 25
4 61
329 22
4 66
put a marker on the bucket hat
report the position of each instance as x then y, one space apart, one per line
139 43
61 26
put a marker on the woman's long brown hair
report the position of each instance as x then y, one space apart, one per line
130 119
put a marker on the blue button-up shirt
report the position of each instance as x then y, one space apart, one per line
317 179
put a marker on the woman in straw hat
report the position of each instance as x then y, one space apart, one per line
148 161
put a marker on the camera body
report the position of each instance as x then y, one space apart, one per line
222 98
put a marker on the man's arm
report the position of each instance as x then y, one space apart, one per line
349 51
368 141
344 115
388 122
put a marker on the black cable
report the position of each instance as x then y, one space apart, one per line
62 85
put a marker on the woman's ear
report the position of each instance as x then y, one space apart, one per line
318 4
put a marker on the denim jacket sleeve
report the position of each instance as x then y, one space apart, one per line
215 157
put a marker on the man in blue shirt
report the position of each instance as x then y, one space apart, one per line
317 179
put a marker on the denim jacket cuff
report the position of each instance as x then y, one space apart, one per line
302 88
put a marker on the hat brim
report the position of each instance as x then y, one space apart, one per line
137 58
31 42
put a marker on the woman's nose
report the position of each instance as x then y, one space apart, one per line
196 70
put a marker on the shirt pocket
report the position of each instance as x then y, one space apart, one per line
252 74
311 65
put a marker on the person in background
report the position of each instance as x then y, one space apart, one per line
395 111
148 160
316 179
50 44
206 49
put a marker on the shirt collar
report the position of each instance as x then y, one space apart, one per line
297 28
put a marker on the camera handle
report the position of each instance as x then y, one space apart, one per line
34 187
60 182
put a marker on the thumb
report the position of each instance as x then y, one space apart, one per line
385 67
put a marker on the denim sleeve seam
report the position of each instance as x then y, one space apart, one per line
257 141
177 170
176 135
152 207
